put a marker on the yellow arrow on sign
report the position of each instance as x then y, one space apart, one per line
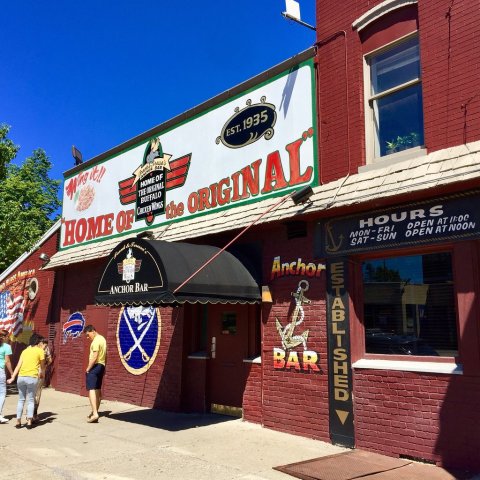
342 415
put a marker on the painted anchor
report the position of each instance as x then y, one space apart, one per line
289 340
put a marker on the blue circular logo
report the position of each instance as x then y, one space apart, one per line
138 337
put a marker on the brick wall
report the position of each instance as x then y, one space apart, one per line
450 50
418 415
400 413
159 387
294 401
252 396
450 58
38 312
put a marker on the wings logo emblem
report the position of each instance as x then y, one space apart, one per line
175 178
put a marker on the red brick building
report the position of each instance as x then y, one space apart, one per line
28 291
399 124
364 328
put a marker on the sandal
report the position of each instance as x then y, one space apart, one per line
18 425
93 419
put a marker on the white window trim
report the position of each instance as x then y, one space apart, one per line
370 135
379 11
409 366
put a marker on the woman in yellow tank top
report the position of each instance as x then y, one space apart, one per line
30 367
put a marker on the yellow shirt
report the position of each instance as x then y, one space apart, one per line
99 344
31 358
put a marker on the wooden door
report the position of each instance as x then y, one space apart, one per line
228 344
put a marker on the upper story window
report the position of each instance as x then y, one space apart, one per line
394 96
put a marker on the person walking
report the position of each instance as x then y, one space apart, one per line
42 343
30 367
5 352
95 370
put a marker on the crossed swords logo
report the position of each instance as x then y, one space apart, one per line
138 314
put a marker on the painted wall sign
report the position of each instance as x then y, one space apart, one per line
73 327
295 267
439 220
249 124
15 301
339 360
291 337
138 337
263 150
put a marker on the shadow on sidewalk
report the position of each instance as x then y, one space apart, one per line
45 417
172 422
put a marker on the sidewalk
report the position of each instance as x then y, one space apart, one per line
137 443
130 443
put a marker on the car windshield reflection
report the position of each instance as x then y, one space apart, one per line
390 343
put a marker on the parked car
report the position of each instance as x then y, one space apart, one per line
390 343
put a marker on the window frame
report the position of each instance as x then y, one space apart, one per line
369 99
362 359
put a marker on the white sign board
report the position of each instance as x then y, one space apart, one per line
258 144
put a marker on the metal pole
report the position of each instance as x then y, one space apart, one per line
282 200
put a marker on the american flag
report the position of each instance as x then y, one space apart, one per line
11 312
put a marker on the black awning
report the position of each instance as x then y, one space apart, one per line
141 271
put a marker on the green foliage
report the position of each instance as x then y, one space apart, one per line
28 201
381 274
403 142
8 150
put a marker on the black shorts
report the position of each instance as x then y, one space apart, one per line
95 376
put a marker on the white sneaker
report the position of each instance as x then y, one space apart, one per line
3 420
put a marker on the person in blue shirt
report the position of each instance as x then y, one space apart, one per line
5 352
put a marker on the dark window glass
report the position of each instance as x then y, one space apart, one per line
396 100
398 65
409 305
400 120
229 323
196 317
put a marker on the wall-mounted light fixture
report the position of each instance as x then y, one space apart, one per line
266 294
44 257
77 155
292 12
303 195
148 234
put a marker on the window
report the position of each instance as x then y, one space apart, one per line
196 316
409 305
229 323
395 98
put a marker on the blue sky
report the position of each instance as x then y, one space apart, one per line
96 73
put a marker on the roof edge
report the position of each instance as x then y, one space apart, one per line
267 74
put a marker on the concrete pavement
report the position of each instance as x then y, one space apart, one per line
130 443
137 443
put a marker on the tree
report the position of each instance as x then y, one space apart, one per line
8 150
381 274
28 205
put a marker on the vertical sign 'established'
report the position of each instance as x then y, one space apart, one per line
339 361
